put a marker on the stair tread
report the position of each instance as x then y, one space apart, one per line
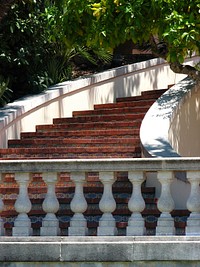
73 133
102 118
154 94
143 103
113 111
90 149
69 142
89 125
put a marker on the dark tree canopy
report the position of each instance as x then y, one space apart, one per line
4 7
172 27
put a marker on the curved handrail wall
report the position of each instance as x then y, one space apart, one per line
154 131
168 118
185 125
160 138
60 100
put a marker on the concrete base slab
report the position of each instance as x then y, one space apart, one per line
104 264
120 251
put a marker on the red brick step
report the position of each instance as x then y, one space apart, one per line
73 142
83 133
139 103
154 94
89 125
72 152
130 110
101 118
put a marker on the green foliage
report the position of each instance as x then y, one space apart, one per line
35 49
5 92
107 23
25 33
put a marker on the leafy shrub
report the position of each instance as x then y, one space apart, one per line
5 92
34 50
28 53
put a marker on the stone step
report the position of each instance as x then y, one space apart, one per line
98 133
67 153
74 142
113 111
154 94
101 118
89 126
139 103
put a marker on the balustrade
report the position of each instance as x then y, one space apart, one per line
137 170
136 205
78 224
50 224
193 204
165 225
107 205
1 209
22 224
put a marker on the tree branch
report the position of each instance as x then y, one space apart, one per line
158 48
186 69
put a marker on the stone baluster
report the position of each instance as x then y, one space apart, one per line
165 224
50 223
107 204
22 224
136 205
1 209
78 224
193 204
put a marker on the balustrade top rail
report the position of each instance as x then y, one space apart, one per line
87 165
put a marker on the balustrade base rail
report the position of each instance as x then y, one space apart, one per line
101 250
136 169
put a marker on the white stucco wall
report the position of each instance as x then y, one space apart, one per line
62 99
185 126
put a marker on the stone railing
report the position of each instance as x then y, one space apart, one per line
136 168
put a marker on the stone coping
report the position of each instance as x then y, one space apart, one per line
90 165
154 131
100 249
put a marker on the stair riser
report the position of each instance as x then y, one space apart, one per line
83 133
28 143
103 118
142 103
116 111
89 126
71 156
153 95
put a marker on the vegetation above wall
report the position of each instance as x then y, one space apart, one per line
170 27
34 52
42 41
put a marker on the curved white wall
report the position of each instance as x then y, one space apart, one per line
171 128
185 126
60 100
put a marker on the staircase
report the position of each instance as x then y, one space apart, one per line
108 131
